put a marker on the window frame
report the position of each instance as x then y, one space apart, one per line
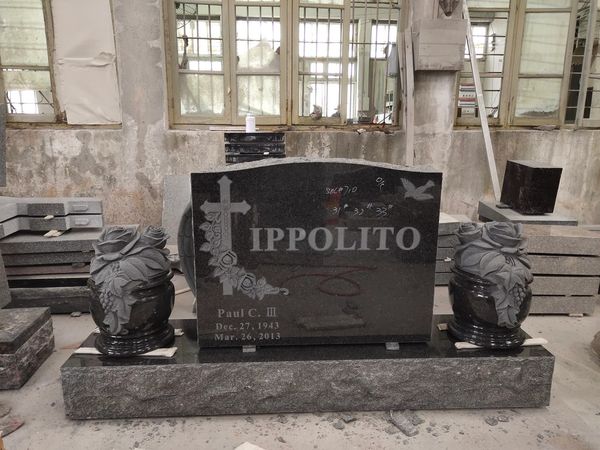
516 75
289 65
511 76
506 81
37 118
593 30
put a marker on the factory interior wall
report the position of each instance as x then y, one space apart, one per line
125 165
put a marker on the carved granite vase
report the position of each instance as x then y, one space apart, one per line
132 293
489 290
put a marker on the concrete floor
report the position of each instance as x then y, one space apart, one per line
572 421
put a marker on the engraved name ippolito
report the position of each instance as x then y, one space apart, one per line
323 239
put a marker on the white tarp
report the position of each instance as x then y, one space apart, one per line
85 63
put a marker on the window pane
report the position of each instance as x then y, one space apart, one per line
372 70
22 33
488 3
199 37
201 94
28 92
544 43
538 97
548 3
258 42
319 62
258 95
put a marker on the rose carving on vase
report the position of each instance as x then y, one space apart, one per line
489 289
132 295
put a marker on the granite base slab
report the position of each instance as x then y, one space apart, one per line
226 381
26 341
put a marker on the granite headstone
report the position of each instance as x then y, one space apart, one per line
313 252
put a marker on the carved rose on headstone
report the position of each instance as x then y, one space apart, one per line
124 261
495 252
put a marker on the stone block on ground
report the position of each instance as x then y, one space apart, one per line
26 341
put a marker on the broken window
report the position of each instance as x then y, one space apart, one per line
25 73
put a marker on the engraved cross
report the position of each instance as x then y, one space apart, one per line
226 208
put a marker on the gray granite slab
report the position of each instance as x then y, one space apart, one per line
35 259
442 278
565 265
17 224
447 241
561 240
60 300
431 375
442 266
18 325
19 363
42 206
449 223
444 252
176 197
48 269
565 285
77 240
548 304
490 211
4 290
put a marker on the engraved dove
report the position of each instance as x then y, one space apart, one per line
418 193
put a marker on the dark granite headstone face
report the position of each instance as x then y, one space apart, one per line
530 187
311 252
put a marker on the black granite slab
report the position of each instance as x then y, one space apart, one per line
297 251
530 187
210 381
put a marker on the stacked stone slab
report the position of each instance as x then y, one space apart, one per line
26 341
49 272
446 242
45 214
566 266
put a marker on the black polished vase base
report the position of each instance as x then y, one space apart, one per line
486 337
124 346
